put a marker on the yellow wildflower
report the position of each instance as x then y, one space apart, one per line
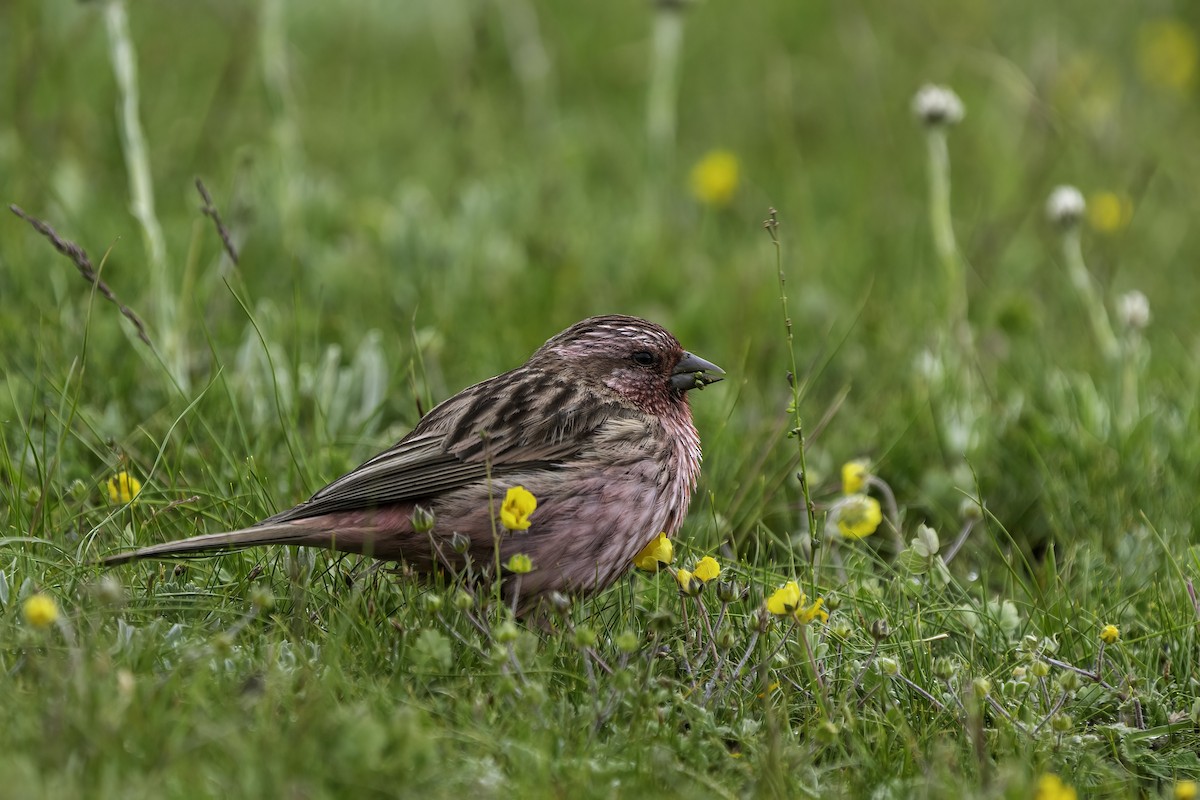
40 610
714 179
1051 787
1186 790
685 580
854 475
520 564
786 599
1109 634
807 613
519 503
655 555
707 569
123 488
858 516
1167 54
1108 212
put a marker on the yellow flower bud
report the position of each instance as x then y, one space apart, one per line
688 583
520 564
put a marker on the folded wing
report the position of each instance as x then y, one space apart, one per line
515 422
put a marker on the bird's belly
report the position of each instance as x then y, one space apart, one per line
586 529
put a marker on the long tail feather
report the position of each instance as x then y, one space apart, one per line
235 540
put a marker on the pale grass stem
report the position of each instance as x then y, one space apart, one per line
662 95
272 46
954 282
1089 293
141 188
528 56
893 511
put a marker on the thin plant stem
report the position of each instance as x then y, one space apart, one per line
783 641
1089 293
812 663
1062 698
737 671
893 510
141 186
866 665
959 541
663 92
932 700
772 227
708 646
942 226
527 55
712 638
1004 713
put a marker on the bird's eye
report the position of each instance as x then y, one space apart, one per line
644 358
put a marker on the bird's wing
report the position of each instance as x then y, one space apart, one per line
517 421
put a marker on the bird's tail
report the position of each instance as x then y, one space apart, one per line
284 533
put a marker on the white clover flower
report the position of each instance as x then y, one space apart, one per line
1065 206
1133 309
938 105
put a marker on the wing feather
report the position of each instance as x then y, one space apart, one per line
495 427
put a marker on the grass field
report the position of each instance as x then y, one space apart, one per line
419 195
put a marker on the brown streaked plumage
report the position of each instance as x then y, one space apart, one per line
596 424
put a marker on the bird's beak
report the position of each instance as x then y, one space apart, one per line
693 372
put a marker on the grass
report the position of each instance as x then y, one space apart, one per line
416 207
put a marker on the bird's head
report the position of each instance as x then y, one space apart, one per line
638 360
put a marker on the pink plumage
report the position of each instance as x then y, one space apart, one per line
596 424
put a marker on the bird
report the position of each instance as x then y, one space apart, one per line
596 425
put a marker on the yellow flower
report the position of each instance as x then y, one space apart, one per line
685 580
858 516
1108 212
806 614
714 179
1109 634
854 476
786 599
519 503
707 569
1185 790
1051 787
1167 54
40 610
655 555
520 564
123 488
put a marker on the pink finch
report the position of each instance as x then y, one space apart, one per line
596 425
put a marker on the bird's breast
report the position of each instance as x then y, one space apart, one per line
684 465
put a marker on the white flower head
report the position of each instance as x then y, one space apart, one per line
1065 206
938 106
1133 309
